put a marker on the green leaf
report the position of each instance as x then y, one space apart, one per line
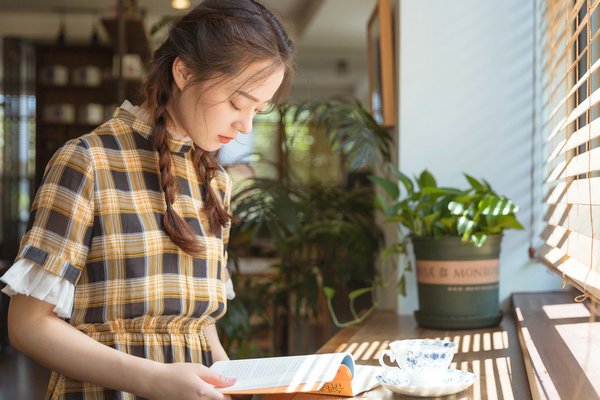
336 138
448 222
475 184
492 205
347 143
466 198
390 187
465 226
426 180
380 204
357 160
401 286
508 222
358 292
329 292
491 221
441 204
403 205
456 208
488 186
435 191
406 181
396 248
429 219
479 238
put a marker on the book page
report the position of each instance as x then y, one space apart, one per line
365 378
292 371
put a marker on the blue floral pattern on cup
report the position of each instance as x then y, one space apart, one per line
424 361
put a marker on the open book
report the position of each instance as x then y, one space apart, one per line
333 373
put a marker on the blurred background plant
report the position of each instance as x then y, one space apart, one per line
322 233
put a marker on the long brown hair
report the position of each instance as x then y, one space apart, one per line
217 39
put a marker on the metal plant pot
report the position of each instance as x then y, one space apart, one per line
457 282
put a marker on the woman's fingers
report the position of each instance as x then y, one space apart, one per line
213 377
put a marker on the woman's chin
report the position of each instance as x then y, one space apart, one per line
212 147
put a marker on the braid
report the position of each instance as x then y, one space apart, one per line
177 229
207 167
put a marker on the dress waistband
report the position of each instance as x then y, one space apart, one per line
150 325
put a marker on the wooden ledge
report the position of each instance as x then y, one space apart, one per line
560 345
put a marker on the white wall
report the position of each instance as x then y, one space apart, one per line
465 105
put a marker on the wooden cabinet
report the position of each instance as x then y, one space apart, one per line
76 90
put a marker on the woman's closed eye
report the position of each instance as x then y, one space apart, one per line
236 108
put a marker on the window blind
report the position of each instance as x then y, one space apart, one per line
570 131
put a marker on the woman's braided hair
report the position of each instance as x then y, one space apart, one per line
217 39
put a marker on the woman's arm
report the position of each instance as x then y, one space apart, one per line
35 330
215 344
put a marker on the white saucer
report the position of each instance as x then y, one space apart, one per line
454 382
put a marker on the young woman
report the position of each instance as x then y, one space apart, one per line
128 231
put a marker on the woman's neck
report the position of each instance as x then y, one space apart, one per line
172 128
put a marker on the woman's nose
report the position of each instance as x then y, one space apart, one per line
244 124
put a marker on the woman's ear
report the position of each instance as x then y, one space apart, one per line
181 73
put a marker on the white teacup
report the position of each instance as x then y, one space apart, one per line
424 361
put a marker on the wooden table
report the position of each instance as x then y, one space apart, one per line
493 354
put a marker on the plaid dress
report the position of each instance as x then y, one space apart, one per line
97 221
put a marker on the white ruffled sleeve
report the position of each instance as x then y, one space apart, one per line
26 277
229 289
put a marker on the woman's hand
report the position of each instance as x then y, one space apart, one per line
187 381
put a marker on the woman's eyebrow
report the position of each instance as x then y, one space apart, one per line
249 96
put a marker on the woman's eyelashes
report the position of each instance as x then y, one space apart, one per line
257 110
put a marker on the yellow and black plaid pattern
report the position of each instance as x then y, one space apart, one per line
97 221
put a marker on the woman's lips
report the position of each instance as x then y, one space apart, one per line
224 139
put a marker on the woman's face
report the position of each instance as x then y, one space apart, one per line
214 113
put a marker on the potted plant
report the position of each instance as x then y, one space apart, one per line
456 235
